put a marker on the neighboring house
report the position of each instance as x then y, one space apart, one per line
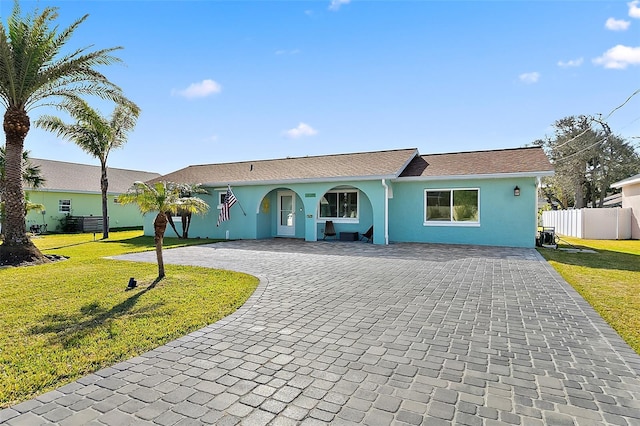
631 199
484 197
74 189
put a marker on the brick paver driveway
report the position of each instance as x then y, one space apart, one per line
351 333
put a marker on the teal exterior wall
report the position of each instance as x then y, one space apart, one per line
260 203
505 220
82 204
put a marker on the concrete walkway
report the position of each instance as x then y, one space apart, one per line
352 333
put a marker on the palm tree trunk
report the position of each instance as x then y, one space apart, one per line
159 226
104 186
16 247
186 222
171 223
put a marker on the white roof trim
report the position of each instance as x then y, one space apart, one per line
294 181
477 176
71 191
628 181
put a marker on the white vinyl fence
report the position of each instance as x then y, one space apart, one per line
590 224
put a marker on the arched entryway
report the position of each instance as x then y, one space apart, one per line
280 214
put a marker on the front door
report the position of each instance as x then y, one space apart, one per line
286 214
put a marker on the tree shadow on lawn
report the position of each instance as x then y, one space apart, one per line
69 245
69 330
602 259
147 242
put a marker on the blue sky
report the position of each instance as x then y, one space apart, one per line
221 81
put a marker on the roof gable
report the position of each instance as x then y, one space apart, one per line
504 161
74 177
363 165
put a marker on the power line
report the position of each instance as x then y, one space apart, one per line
592 119
566 157
622 104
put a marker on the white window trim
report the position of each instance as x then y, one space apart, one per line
449 222
60 204
221 195
356 219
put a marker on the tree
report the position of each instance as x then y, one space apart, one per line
185 214
36 69
30 176
96 135
166 198
587 158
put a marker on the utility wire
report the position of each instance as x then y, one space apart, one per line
566 157
622 104
573 138
592 119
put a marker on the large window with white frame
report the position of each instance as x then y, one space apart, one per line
340 204
64 206
459 206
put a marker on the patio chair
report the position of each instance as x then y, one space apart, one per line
329 229
368 235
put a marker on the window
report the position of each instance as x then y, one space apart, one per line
221 197
459 206
64 206
339 205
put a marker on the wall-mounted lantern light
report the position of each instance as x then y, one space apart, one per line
516 191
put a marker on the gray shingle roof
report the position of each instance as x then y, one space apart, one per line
73 177
363 165
367 165
503 161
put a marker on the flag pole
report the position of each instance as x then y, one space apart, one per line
237 201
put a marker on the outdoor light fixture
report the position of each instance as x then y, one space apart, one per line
132 283
516 191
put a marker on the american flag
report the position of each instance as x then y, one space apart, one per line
229 200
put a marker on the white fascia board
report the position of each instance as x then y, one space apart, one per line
629 181
475 176
70 191
295 181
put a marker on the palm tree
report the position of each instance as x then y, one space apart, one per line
185 214
30 176
37 69
96 135
164 198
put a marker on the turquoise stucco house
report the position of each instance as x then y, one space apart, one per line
482 197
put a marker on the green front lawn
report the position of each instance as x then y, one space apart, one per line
63 320
609 280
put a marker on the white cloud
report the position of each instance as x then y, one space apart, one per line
303 129
634 9
619 57
571 63
335 4
287 52
617 24
198 90
529 77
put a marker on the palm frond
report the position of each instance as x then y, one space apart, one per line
32 68
163 197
